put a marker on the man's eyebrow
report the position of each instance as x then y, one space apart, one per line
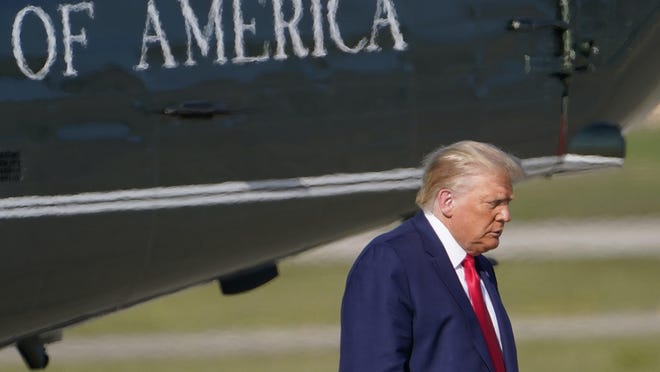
499 200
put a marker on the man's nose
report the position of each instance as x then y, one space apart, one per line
504 215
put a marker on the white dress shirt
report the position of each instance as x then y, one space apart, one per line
456 256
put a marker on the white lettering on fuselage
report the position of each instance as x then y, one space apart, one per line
203 38
335 33
154 36
159 36
69 39
317 18
239 41
386 16
280 25
18 47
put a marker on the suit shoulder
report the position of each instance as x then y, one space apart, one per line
383 267
402 235
392 244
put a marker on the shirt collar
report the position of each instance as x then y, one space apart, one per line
454 251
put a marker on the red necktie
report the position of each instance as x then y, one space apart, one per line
479 306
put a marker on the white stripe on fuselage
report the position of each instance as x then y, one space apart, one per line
208 195
229 193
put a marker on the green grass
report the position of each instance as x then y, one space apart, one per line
603 355
580 287
633 190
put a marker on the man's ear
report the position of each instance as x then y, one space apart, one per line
445 202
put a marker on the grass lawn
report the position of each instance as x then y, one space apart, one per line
603 355
557 288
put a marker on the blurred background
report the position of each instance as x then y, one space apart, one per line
578 270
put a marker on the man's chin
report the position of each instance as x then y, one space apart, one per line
490 245
483 248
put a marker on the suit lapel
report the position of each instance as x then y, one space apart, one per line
447 274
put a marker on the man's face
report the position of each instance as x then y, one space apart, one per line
480 212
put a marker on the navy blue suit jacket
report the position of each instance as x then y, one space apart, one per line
404 309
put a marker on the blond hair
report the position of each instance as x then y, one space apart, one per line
449 167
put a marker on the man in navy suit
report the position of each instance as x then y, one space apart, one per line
421 297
